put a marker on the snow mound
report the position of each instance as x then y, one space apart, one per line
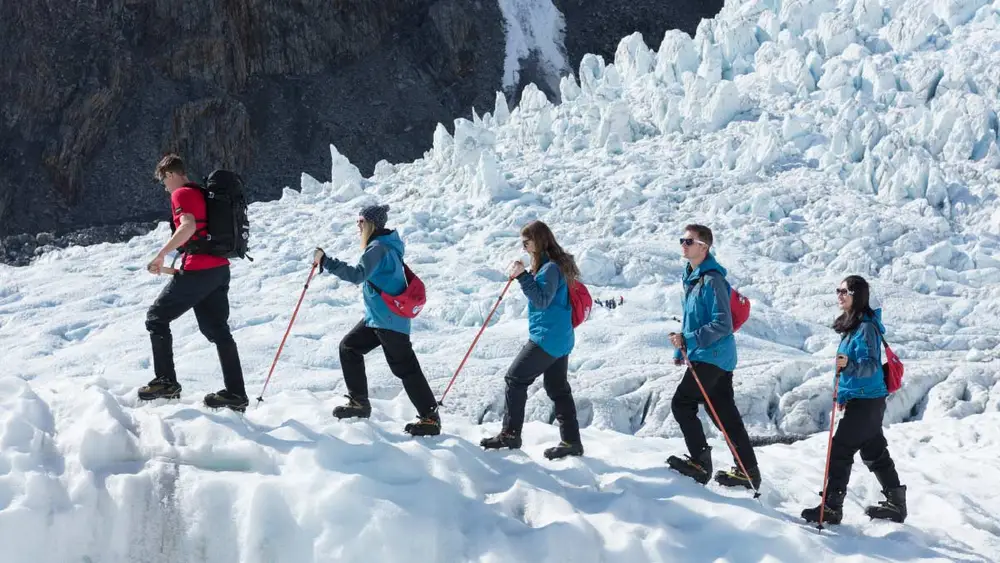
286 483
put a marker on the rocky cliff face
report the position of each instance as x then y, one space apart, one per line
93 93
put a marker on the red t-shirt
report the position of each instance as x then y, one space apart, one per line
190 200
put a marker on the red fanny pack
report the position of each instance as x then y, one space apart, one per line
411 301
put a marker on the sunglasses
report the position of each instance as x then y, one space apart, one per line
690 242
842 291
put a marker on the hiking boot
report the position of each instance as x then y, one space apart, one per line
429 425
504 439
698 468
355 408
564 449
736 478
892 508
160 389
226 399
834 511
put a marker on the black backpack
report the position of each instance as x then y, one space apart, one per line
227 232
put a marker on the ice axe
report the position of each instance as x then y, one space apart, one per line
170 270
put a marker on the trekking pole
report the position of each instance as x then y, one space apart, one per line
718 422
829 449
485 323
260 398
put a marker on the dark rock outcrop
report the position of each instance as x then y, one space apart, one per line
93 93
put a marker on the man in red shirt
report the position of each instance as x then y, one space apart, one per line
202 284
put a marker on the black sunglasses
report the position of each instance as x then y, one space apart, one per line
842 291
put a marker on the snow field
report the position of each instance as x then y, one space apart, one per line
817 138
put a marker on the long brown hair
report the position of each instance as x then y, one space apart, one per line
545 244
849 320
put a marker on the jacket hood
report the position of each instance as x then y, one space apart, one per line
877 319
388 238
707 266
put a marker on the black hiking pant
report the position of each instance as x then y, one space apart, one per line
531 362
718 384
400 357
861 430
207 292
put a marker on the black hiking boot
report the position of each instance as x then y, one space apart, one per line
160 389
502 440
736 478
429 425
355 408
564 449
834 511
226 399
698 468
892 508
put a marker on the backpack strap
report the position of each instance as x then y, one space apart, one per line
405 282
880 334
701 279
200 232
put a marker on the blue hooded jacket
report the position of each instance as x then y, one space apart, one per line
708 321
550 314
382 265
863 377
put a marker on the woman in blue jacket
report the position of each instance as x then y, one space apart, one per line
861 393
550 340
381 267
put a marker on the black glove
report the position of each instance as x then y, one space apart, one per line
318 257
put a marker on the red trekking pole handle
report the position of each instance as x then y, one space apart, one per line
718 421
829 448
260 397
485 323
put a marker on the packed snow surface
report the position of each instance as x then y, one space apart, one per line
817 138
